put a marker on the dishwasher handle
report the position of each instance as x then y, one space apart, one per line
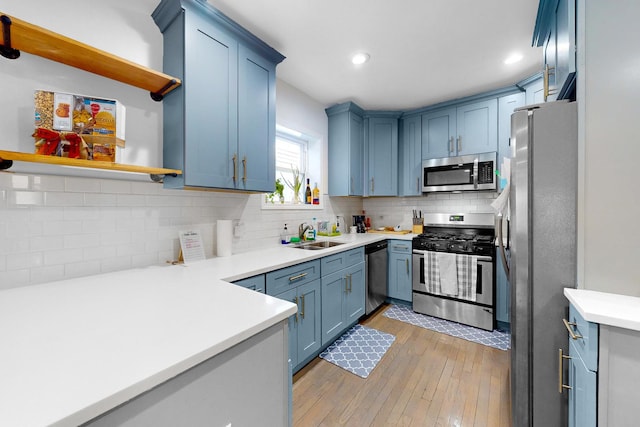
375 247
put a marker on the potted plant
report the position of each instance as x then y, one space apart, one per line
295 184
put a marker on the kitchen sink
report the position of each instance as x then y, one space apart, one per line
314 246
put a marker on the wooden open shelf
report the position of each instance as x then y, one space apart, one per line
7 157
56 47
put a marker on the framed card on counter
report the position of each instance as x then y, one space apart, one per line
191 247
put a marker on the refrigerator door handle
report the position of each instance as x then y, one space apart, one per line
503 253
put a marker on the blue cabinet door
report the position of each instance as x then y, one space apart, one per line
583 394
477 127
400 267
256 161
292 295
383 157
506 106
309 320
346 150
333 305
410 156
555 31
355 295
438 134
210 112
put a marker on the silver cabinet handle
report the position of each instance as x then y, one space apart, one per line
299 276
547 72
418 184
450 144
561 385
459 143
568 325
372 185
351 191
404 248
407 263
302 311
295 301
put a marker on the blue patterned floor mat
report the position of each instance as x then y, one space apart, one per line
497 339
358 350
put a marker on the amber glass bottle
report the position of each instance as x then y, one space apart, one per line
307 194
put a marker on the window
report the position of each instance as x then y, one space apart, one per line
293 153
291 157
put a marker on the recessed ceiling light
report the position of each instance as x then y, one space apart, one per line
513 58
360 58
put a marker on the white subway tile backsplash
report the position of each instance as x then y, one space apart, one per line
27 260
65 199
70 227
25 198
74 185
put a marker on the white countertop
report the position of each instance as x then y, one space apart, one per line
622 311
74 349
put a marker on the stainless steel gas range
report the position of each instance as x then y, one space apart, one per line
454 268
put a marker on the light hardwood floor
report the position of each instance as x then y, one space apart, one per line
425 379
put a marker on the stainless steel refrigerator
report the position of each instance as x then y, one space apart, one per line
542 243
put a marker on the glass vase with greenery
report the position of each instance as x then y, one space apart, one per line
295 184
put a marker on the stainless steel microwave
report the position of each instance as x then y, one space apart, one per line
462 173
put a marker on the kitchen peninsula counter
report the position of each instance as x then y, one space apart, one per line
75 349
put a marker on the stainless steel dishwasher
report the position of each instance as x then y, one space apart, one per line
375 257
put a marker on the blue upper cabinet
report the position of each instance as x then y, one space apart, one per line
256 121
410 156
346 150
382 152
219 128
555 31
456 131
477 126
506 105
439 133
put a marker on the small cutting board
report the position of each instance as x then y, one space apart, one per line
390 232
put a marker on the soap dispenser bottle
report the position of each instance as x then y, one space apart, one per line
284 236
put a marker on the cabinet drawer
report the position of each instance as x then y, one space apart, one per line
400 246
291 277
586 338
336 262
255 283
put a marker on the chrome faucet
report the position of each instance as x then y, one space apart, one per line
302 229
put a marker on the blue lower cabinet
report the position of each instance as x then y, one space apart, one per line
343 301
583 392
334 288
255 283
304 326
400 270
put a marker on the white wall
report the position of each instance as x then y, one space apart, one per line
609 135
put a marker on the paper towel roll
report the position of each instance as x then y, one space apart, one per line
224 236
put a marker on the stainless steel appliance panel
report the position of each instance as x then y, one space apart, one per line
543 256
479 316
461 173
375 275
484 289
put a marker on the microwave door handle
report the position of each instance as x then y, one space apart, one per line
475 173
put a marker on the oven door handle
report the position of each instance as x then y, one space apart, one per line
480 257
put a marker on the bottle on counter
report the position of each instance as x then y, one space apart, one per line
284 236
307 194
316 194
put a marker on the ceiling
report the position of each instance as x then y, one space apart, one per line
422 51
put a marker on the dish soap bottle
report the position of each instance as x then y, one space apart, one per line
311 232
316 195
284 236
